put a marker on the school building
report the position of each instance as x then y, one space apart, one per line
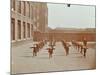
26 17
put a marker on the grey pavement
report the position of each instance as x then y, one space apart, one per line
24 62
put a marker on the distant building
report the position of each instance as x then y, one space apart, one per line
42 16
70 34
26 17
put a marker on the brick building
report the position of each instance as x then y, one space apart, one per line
69 34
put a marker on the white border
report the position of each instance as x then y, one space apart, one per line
5 37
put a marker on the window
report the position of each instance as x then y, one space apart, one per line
13 4
24 28
29 9
31 12
13 29
31 28
19 6
24 10
28 29
19 29
34 9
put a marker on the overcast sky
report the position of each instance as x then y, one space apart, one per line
75 16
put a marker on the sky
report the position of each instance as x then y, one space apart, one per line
75 16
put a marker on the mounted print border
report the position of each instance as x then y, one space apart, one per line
52 37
